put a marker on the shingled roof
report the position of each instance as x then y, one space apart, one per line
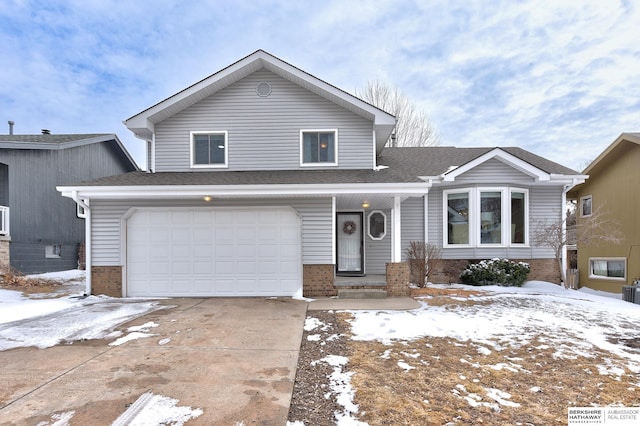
51 139
405 165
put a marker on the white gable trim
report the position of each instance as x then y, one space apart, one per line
505 157
142 124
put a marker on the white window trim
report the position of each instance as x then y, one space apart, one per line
80 212
335 147
192 154
384 217
600 277
445 216
581 205
474 218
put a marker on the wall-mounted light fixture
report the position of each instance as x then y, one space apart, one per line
365 204
207 198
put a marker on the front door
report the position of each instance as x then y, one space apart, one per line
349 244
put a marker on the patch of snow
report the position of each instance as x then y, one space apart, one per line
405 366
484 351
45 323
501 397
70 275
296 423
314 337
311 324
60 419
150 409
535 389
164 341
129 337
298 296
574 323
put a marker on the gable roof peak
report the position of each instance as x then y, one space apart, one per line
143 123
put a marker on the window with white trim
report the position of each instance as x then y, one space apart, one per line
614 268
80 212
318 147
586 206
377 225
209 149
476 217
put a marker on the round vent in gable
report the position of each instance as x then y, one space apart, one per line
263 89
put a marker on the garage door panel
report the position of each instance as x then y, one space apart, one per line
215 252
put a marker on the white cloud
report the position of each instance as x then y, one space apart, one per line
550 77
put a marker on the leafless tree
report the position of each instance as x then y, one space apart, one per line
599 228
413 127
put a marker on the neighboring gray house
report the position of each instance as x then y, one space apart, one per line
265 180
40 231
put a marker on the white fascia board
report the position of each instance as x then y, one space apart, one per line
505 157
191 191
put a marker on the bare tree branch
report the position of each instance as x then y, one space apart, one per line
599 228
413 127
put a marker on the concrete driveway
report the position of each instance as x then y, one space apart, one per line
233 358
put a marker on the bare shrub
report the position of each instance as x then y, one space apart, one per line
422 258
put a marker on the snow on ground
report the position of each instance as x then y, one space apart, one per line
37 321
575 323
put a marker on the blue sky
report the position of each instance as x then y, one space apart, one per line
559 78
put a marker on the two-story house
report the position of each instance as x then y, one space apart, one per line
39 230
613 188
265 180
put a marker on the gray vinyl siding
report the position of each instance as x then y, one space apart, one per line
544 205
486 173
39 215
412 222
377 252
263 132
106 217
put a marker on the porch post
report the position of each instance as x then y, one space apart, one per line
396 234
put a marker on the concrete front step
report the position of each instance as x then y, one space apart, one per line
365 293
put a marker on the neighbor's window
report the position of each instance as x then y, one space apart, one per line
377 225
208 149
483 216
586 206
318 147
457 217
80 212
614 268
52 251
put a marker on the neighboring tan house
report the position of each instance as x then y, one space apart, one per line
39 230
613 185
265 180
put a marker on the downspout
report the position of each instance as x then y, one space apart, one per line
396 231
87 239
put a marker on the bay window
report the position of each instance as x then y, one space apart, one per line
496 216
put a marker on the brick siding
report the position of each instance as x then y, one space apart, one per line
448 271
318 281
106 280
398 279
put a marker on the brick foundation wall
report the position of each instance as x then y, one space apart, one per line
4 251
447 271
317 281
106 280
398 275
82 262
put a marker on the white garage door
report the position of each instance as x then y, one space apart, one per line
214 252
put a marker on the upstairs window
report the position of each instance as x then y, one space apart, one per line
208 149
585 206
318 147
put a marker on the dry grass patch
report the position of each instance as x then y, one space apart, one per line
434 381
12 279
